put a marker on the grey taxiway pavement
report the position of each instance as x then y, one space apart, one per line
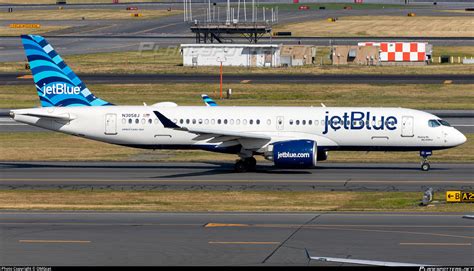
220 176
115 238
16 79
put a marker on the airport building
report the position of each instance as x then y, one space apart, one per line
247 55
382 53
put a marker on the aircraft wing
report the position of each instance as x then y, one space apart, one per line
214 135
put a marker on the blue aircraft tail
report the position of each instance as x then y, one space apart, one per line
207 100
56 83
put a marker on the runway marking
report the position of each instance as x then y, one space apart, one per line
154 28
94 224
368 226
245 81
436 244
215 225
27 76
95 29
222 181
330 227
54 241
243 243
403 232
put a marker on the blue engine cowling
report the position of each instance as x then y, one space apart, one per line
295 154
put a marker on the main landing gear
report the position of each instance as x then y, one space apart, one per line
245 164
425 164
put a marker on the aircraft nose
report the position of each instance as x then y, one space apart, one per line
459 138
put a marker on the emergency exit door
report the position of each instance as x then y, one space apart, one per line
110 124
407 126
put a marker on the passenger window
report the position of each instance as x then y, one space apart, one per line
316 122
258 121
291 122
143 121
225 121
130 121
200 121
175 120
310 122
194 121
303 122
219 121
156 121
150 121
433 123
244 122
231 122
213 121
297 122
181 121
206 121
250 122
124 121
269 122
237 122
187 121
137 121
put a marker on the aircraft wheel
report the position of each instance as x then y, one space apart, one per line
241 166
425 166
252 163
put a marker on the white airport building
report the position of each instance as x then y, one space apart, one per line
240 55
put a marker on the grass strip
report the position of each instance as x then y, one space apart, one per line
416 96
215 201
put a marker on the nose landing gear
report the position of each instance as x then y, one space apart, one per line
425 164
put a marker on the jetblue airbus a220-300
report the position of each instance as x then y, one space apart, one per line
291 137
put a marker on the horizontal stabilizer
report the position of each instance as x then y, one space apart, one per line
51 116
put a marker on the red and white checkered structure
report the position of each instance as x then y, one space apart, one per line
399 51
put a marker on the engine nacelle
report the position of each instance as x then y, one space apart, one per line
294 154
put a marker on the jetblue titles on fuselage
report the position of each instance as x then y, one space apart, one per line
357 120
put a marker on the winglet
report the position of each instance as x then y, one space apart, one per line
207 100
167 123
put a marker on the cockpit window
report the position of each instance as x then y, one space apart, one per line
444 123
433 123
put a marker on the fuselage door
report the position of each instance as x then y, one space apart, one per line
110 124
407 126
280 122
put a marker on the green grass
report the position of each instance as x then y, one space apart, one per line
417 96
333 6
87 14
214 201
48 146
169 60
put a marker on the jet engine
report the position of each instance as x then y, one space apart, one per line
293 154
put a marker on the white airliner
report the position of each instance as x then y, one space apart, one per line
291 137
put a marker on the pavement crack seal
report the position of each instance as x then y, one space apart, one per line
291 236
